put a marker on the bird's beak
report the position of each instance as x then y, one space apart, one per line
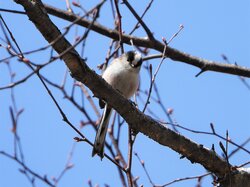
137 61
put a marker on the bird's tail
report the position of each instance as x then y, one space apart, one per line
98 147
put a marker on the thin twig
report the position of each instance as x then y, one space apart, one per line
11 35
27 169
86 93
153 79
208 133
238 148
242 79
139 19
183 179
130 156
144 168
143 14
119 23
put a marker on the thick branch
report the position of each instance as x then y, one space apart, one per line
174 54
138 121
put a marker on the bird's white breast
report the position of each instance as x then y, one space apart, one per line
123 77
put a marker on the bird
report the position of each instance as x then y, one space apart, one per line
123 75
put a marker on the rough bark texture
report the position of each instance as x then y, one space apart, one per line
240 178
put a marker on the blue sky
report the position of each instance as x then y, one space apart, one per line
211 28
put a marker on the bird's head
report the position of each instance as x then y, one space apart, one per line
134 58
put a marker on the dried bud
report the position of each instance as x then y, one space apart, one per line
77 38
212 127
13 75
53 178
170 111
22 171
110 131
224 57
117 158
89 182
25 60
142 162
70 165
77 139
76 4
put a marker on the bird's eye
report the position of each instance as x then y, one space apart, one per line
134 59
130 56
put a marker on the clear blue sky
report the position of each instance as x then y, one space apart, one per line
211 28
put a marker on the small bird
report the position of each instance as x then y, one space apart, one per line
123 75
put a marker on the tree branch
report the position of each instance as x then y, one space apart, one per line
138 121
174 54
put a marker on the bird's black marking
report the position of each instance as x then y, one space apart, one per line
130 56
131 59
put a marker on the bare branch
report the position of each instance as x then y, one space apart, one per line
145 27
174 54
151 128
119 24
171 53
27 169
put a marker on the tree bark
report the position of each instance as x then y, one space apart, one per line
137 120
